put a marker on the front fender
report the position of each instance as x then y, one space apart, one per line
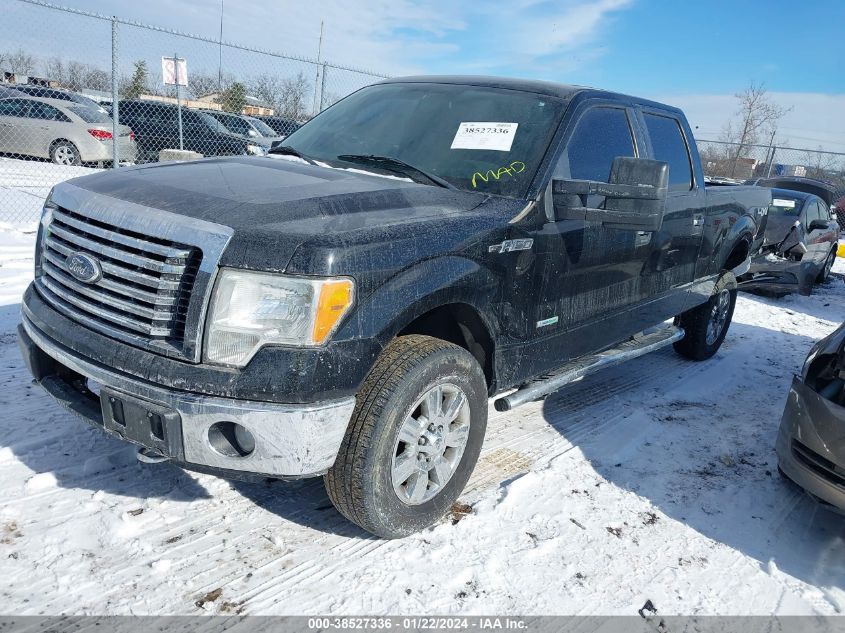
418 289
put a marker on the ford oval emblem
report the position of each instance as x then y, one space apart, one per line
84 267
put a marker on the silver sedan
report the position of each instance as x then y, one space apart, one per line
65 132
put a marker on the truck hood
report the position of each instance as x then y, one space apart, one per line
275 205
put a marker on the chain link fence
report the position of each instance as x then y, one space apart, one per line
745 162
735 163
81 91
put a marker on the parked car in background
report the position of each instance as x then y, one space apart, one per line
156 126
839 212
800 242
66 132
283 126
811 440
246 127
58 94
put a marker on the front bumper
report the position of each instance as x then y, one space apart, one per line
298 440
781 275
811 444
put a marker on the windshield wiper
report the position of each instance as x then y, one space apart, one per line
397 167
287 150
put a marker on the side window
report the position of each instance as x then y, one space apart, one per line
600 135
812 211
46 112
14 107
669 146
824 211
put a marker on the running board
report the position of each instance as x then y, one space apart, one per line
638 345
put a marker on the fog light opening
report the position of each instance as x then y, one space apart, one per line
230 439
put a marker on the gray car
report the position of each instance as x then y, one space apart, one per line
246 127
811 441
65 132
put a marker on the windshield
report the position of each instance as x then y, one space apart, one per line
476 138
262 127
785 206
90 115
235 124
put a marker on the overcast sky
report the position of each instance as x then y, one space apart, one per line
692 54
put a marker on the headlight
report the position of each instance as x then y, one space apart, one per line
251 309
255 149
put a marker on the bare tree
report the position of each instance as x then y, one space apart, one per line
200 84
269 89
756 114
294 96
820 164
19 62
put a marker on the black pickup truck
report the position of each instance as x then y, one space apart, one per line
347 306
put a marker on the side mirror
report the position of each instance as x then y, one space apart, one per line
818 225
634 197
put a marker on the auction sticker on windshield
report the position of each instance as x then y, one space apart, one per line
485 135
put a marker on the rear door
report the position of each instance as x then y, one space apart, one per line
673 251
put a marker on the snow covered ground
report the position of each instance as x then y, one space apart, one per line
655 480
24 184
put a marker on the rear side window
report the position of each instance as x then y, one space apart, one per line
47 112
14 107
600 135
669 146
90 115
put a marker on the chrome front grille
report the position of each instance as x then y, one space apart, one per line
155 269
146 282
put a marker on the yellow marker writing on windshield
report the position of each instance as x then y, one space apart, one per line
516 167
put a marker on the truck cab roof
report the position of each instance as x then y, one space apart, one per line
566 92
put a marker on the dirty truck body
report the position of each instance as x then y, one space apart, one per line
327 312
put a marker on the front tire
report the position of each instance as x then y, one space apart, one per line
706 325
413 439
824 273
65 153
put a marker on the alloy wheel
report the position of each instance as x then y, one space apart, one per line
718 317
430 445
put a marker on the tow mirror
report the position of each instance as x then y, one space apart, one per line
634 197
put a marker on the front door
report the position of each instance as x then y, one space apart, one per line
15 127
587 275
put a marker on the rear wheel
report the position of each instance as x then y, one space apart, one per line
824 273
706 325
65 153
414 437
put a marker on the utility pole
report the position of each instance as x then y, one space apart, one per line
220 55
317 73
115 96
771 153
178 100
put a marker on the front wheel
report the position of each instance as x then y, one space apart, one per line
706 325
824 273
413 439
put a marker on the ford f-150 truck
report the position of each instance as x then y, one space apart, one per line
346 306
